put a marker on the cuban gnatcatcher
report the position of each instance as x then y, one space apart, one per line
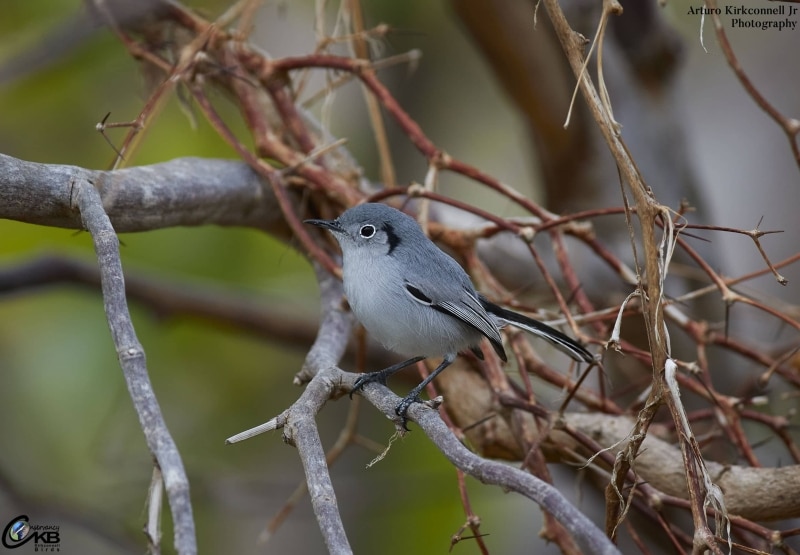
415 299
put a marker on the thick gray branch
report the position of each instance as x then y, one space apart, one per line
181 192
759 494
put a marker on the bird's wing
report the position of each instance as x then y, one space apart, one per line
466 308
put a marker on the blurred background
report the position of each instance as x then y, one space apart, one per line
71 451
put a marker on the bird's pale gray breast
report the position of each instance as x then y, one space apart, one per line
380 302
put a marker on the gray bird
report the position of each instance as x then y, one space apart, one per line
417 300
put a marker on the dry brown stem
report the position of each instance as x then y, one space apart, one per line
643 462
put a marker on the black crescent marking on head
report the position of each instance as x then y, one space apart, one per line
392 237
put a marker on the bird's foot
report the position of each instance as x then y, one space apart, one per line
402 408
368 378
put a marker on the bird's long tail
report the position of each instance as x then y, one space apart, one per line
562 342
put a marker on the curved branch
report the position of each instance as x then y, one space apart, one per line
270 319
757 494
588 535
132 360
492 472
301 430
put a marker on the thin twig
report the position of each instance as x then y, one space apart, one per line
790 126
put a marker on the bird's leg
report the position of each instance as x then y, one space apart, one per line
381 375
413 396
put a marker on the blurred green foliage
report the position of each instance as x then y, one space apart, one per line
72 452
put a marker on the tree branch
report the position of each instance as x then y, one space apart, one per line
132 359
181 192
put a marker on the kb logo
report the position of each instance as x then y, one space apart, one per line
20 531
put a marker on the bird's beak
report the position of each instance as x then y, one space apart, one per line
332 225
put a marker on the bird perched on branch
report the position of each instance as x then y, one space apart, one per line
416 300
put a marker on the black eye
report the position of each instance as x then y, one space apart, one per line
367 231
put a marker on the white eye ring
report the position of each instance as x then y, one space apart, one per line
367 231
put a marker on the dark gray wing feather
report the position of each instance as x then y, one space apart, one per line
469 310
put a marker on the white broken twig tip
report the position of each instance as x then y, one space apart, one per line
252 432
614 340
435 403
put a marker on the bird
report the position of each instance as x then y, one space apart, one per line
416 300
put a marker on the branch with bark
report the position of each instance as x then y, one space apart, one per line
153 190
295 169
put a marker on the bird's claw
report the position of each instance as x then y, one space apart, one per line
364 379
402 408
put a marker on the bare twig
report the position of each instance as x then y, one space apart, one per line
131 357
155 501
790 126
361 50
491 472
754 234
300 174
